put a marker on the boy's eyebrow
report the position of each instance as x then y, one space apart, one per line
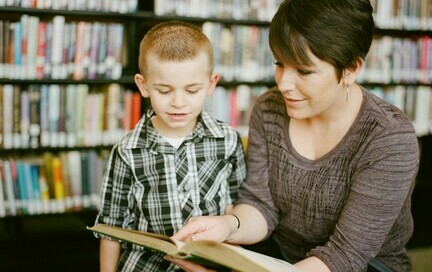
169 86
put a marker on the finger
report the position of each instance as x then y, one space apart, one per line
187 230
188 238
189 266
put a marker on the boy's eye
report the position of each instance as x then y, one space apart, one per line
192 91
165 91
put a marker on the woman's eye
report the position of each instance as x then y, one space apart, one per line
304 72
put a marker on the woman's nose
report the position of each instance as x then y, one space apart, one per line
286 79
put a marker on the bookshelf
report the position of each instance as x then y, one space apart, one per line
64 107
246 73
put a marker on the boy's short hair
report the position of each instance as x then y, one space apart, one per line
174 41
338 32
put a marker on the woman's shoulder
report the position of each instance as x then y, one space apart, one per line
385 113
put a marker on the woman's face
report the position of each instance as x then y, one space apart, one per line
309 91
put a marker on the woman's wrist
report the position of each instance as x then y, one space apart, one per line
234 222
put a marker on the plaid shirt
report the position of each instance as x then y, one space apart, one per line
151 186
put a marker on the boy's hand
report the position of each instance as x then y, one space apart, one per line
187 265
215 228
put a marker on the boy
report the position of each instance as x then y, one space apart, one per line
178 162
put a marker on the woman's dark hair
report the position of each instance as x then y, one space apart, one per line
335 31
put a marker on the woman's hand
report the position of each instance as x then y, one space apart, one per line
187 265
215 228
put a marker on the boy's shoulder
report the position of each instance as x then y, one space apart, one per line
135 137
216 128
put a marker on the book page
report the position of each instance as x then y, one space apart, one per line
270 263
235 257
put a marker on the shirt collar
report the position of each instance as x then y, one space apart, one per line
147 137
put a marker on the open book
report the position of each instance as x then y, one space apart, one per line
216 255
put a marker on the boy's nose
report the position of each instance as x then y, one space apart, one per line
177 100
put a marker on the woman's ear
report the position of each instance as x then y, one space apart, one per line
351 73
213 82
141 84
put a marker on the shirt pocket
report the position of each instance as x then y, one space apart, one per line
213 178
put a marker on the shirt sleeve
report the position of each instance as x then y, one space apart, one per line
238 174
381 188
116 199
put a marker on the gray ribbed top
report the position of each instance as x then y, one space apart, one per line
346 207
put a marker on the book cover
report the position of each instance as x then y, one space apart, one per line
209 253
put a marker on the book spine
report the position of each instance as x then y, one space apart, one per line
62 116
1 116
41 50
57 46
74 162
44 116
16 116
33 28
10 194
3 195
59 190
44 190
36 195
7 116
70 121
136 108
34 127
54 115
25 119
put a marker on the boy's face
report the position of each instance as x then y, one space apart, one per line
177 91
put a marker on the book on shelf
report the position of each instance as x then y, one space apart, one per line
9 187
2 194
34 126
1 116
221 256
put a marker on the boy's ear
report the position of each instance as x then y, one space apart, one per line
350 74
141 84
213 82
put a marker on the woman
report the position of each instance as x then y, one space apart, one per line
331 167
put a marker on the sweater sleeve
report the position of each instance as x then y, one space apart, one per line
255 191
381 188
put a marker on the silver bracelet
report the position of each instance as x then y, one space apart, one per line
238 220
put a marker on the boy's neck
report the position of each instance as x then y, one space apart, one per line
169 132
